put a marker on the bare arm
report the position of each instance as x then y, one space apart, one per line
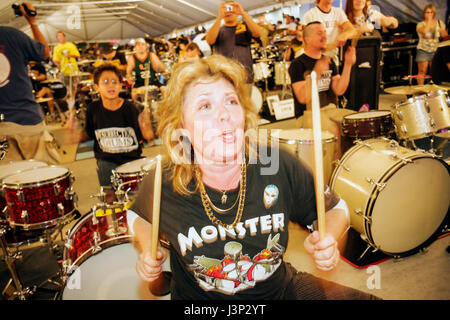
340 83
130 67
388 22
254 28
157 65
213 32
37 35
148 269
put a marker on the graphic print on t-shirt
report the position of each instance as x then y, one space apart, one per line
324 81
5 69
117 140
237 271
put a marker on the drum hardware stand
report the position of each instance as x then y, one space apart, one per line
11 290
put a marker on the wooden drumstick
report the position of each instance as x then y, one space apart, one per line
318 160
156 207
147 66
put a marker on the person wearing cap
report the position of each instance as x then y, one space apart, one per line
144 64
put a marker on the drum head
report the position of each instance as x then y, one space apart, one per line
134 166
36 175
17 166
305 136
411 207
109 275
367 115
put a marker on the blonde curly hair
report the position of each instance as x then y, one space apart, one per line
180 165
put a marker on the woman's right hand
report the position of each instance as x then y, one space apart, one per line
149 269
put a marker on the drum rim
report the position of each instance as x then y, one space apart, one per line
43 225
20 170
92 251
15 186
306 141
374 195
437 93
385 113
145 159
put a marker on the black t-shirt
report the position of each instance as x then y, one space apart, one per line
234 42
297 70
117 136
201 268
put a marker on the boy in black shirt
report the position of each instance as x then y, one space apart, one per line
115 124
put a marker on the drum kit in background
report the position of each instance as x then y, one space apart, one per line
398 195
39 204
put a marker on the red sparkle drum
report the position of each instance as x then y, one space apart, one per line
100 261
396 196
128 176
371 124
39 198
12 168
103 227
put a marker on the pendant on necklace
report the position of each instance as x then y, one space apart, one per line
224 198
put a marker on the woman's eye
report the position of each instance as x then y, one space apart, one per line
233 101
204 106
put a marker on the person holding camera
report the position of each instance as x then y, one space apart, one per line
233 39
23 117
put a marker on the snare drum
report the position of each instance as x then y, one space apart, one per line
370 124
396 196
411 118
99 260
127 176
39 198
437 104
301 143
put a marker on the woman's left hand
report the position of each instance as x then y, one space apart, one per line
325 253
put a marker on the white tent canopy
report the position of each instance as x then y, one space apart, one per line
96 20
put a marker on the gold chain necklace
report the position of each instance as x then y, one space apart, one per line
207 204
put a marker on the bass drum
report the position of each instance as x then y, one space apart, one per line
398 198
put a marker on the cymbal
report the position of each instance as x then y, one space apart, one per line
42 100
79 74
85 61
51 81
87 81
10 129
277 31
445 43
264 60
417 89
141 90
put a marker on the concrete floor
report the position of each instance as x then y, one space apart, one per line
420 276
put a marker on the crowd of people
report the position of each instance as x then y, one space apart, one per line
207 78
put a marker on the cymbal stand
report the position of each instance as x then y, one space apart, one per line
284 87
17 289
4 146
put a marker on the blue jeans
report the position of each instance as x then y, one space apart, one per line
104 171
